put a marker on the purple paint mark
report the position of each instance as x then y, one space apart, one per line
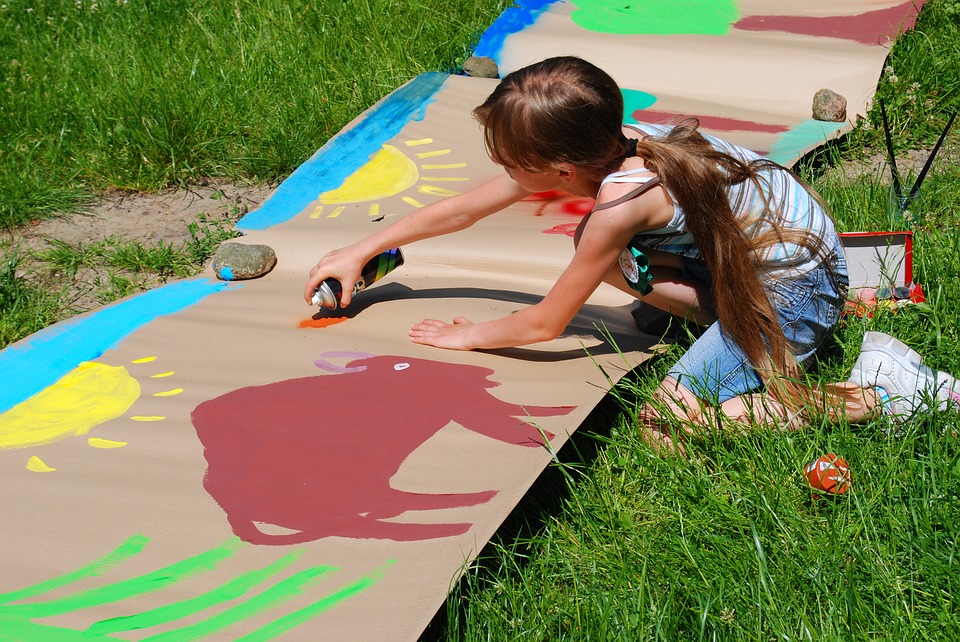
870 28
315 455
329 366
716 123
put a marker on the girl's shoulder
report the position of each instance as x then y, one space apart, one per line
635 198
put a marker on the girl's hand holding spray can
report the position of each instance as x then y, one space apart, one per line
329 292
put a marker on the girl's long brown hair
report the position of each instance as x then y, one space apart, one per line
566 110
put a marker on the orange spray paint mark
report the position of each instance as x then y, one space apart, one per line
322 322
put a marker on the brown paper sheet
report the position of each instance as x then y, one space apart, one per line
748 70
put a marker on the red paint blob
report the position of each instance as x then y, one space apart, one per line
549 195
578 207
557 201
870 28
717 123
315 455
570 229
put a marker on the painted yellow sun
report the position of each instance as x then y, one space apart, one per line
91 394
389 172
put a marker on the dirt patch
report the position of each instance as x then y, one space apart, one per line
126 217
144 218
909 163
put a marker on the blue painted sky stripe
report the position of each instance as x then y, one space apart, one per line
346 152
513 20
42 359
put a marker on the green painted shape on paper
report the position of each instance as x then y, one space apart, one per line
117 591
231 590
17 620
125 551
305 614
792 144
276 594
656 17
16 628
634 101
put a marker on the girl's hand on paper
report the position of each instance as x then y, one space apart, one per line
452 336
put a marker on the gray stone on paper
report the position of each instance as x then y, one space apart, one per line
237 261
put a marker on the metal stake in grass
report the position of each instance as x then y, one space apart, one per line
904 200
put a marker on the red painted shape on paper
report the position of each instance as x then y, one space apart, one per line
549 195
716 123
870 28
314 456
569 229
557 201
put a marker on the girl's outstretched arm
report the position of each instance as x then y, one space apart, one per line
439 218
601 243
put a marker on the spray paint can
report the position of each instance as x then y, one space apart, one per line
328 293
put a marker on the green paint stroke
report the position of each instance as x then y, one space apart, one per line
16 628
16 620
792 144
305 614
634 101
231 590
656 17
276 594
121 590
125 551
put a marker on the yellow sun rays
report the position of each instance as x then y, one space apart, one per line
390 172
91 394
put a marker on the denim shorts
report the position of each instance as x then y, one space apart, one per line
715 369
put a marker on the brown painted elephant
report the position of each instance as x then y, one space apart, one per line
315 455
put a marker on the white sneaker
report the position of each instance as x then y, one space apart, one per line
892 365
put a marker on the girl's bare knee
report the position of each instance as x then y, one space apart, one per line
662 436
759 410
665 420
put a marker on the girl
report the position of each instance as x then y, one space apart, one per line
701 228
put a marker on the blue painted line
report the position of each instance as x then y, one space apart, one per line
513 20
42 359
346 152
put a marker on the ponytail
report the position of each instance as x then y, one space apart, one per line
699 177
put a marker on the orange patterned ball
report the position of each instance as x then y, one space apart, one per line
830 474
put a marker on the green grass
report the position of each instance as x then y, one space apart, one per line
41 287
730 545
143 94
26 307
921 81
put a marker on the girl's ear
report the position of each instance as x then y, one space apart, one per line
568 173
